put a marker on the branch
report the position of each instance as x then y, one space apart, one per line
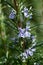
16 5
19 24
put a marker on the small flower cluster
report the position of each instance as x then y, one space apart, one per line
12 14
30 51
25 31
27 53
27 12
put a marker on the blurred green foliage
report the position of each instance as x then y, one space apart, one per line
11 49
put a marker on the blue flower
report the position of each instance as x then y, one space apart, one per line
21 35
28 52
28 28
21 32
25 11
24 33
27 34
12 14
